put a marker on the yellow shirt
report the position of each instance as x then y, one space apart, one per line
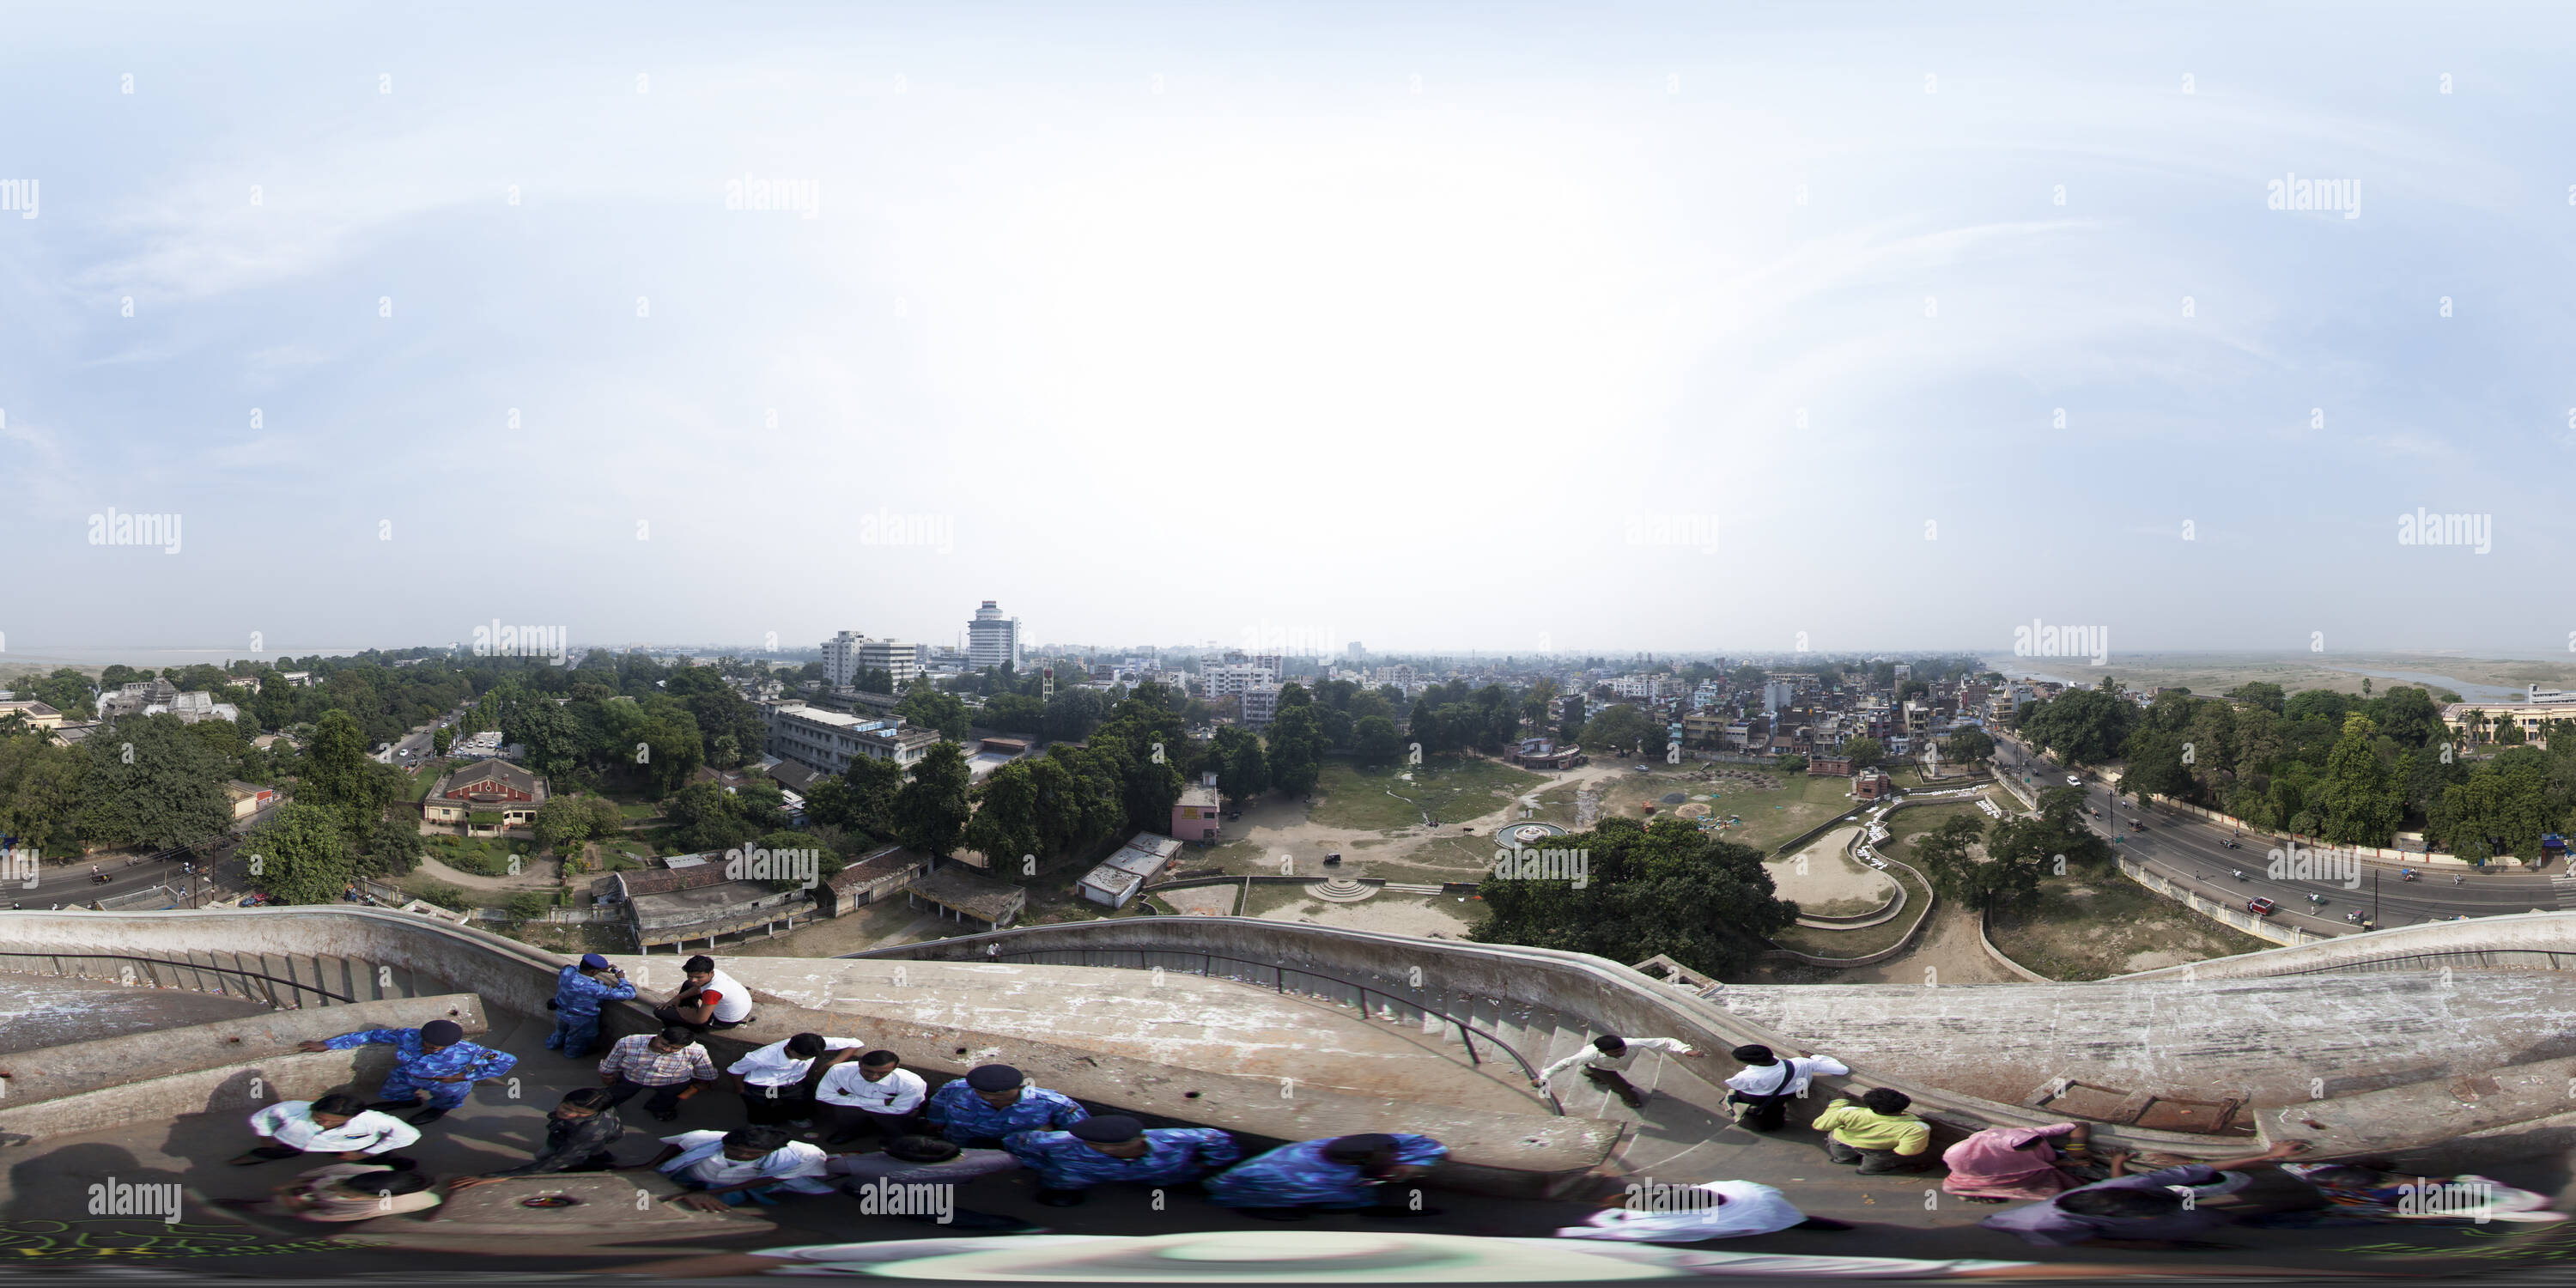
1861 1127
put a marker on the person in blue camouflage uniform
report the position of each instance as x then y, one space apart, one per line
993 1101
1114 1147
579 992
1341 1173
433 1063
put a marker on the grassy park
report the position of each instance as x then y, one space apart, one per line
1451 789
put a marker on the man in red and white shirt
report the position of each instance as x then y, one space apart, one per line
710 999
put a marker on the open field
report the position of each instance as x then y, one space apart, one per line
1862 942
1826 882
2216 673
2096 923
1452 789
1447 917
1780 807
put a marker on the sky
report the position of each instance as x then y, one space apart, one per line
1520 328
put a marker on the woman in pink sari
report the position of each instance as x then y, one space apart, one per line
2008 1164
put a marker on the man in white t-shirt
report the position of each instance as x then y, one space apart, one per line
1689 1213
1760 1095
340 1125
1606 1061
874 1090
723 1168
710 999
772 1078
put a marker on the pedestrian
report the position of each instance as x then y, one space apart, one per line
1605 1063
1344 1173
1759 1096
1115 1147
2002 1164
2149 1210
1876 1133
580 990
873 1091
337 1124
1690 1213
351 1192
433 1063
2370 1192
874 1180
708 998
771 1080
670 1064
993 1101
727 1168
579 1132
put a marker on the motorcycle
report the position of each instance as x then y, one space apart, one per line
2406 874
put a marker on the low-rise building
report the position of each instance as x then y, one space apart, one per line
486 798
682 905
249 799
1199 812
37 714
1870 784
877 877
962 892
2483 722
1260 705
829 740
1144 859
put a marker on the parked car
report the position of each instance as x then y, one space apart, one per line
2261 907
2075 780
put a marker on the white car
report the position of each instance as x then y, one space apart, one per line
2074 780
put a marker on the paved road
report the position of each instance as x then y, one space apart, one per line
2185 848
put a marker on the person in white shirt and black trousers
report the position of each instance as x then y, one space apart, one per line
873 1090
1607 1060
1759 1097
339 1125
774 1080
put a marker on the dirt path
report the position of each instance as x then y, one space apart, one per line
1948 949
534 874
1280 825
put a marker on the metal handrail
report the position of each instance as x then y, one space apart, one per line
2450 955
178 965
1467 1033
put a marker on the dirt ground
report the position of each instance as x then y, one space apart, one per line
1422 916
535 874
1825 881
2094 925
882 925
1202 901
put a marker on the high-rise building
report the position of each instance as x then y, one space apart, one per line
894 657
841 663
992 639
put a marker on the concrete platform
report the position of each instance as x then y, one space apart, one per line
1183 1021
2280 1041
49 1010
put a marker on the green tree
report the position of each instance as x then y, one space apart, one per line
1621 728
1005 825
442 738
2086 726
1296 750
1242 771
1374 740
931 709
1968 746
301 856
40 792
148 781
2360 803
2019 852
1664 887
931 810
1865 753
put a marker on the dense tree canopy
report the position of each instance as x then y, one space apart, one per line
1664 887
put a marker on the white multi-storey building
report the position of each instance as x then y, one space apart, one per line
829 740
894 657
841 663
992 639
1228 679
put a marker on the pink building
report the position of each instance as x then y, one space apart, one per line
1196 816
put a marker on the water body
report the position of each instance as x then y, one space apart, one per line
2486 692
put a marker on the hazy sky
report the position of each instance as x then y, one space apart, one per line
1592 328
